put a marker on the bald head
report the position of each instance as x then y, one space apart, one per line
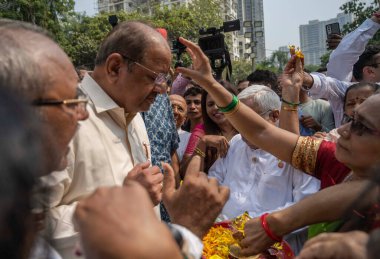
130 39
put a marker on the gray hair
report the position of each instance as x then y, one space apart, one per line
20 70
262 97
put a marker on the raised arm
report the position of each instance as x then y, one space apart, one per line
246 121
350 48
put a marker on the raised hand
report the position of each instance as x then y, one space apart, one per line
201 72
149 177
197 202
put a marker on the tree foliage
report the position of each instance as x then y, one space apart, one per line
241 69
361 12
44 13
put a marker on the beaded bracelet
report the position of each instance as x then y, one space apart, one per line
230 106
267 230
290 103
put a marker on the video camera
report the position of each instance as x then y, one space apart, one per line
215 47
179 49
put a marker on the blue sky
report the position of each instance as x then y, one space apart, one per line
282 18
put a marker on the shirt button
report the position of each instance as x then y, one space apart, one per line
254 159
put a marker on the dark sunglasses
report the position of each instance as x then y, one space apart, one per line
358 127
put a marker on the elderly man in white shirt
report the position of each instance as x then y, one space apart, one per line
258 181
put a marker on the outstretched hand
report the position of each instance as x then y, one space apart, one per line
197 202
201 71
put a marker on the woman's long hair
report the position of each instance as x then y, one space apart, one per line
211 128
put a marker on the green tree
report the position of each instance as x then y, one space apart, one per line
279 58
44 13
361 12
82 34
240 70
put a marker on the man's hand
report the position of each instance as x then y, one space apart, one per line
218 142
197 202
336 245
149 177
118 222
256 240
333 41
310 122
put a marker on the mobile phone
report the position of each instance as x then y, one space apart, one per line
332 28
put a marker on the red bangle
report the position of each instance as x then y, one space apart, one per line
267 230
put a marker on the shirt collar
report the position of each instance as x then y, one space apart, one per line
101 100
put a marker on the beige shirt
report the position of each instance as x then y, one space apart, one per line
105 148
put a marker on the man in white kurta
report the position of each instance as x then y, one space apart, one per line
258 181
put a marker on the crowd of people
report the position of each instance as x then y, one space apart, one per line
133 159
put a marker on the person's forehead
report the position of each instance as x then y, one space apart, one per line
193 97
357 92
377 57
244 83
158 55
178 101
368 111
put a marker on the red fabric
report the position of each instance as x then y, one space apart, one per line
196 134
163 32
327 169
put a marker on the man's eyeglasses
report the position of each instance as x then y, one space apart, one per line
359 128
79 103
162 79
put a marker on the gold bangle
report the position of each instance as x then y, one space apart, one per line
200 153
288 108
236 108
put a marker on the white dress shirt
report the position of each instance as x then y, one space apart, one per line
184 137
257 184
105 148
339 68
347 53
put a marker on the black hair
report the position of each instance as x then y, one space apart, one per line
192 91
365 59
211 128
265 77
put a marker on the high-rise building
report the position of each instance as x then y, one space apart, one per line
313 37
115 5
252 36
